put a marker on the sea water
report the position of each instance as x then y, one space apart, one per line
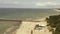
18 13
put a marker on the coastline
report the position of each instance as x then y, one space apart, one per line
27 26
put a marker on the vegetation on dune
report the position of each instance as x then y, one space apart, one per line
54 22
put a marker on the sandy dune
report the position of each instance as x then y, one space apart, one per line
26 28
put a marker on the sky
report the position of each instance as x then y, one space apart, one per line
29 3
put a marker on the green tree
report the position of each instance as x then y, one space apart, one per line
54 22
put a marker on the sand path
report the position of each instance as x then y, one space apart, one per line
26 28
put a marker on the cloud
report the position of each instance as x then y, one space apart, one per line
40 4
29 3
47 4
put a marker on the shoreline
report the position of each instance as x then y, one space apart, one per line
27 24
13 28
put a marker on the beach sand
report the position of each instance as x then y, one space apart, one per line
28 28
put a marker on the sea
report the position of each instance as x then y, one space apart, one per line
23 13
